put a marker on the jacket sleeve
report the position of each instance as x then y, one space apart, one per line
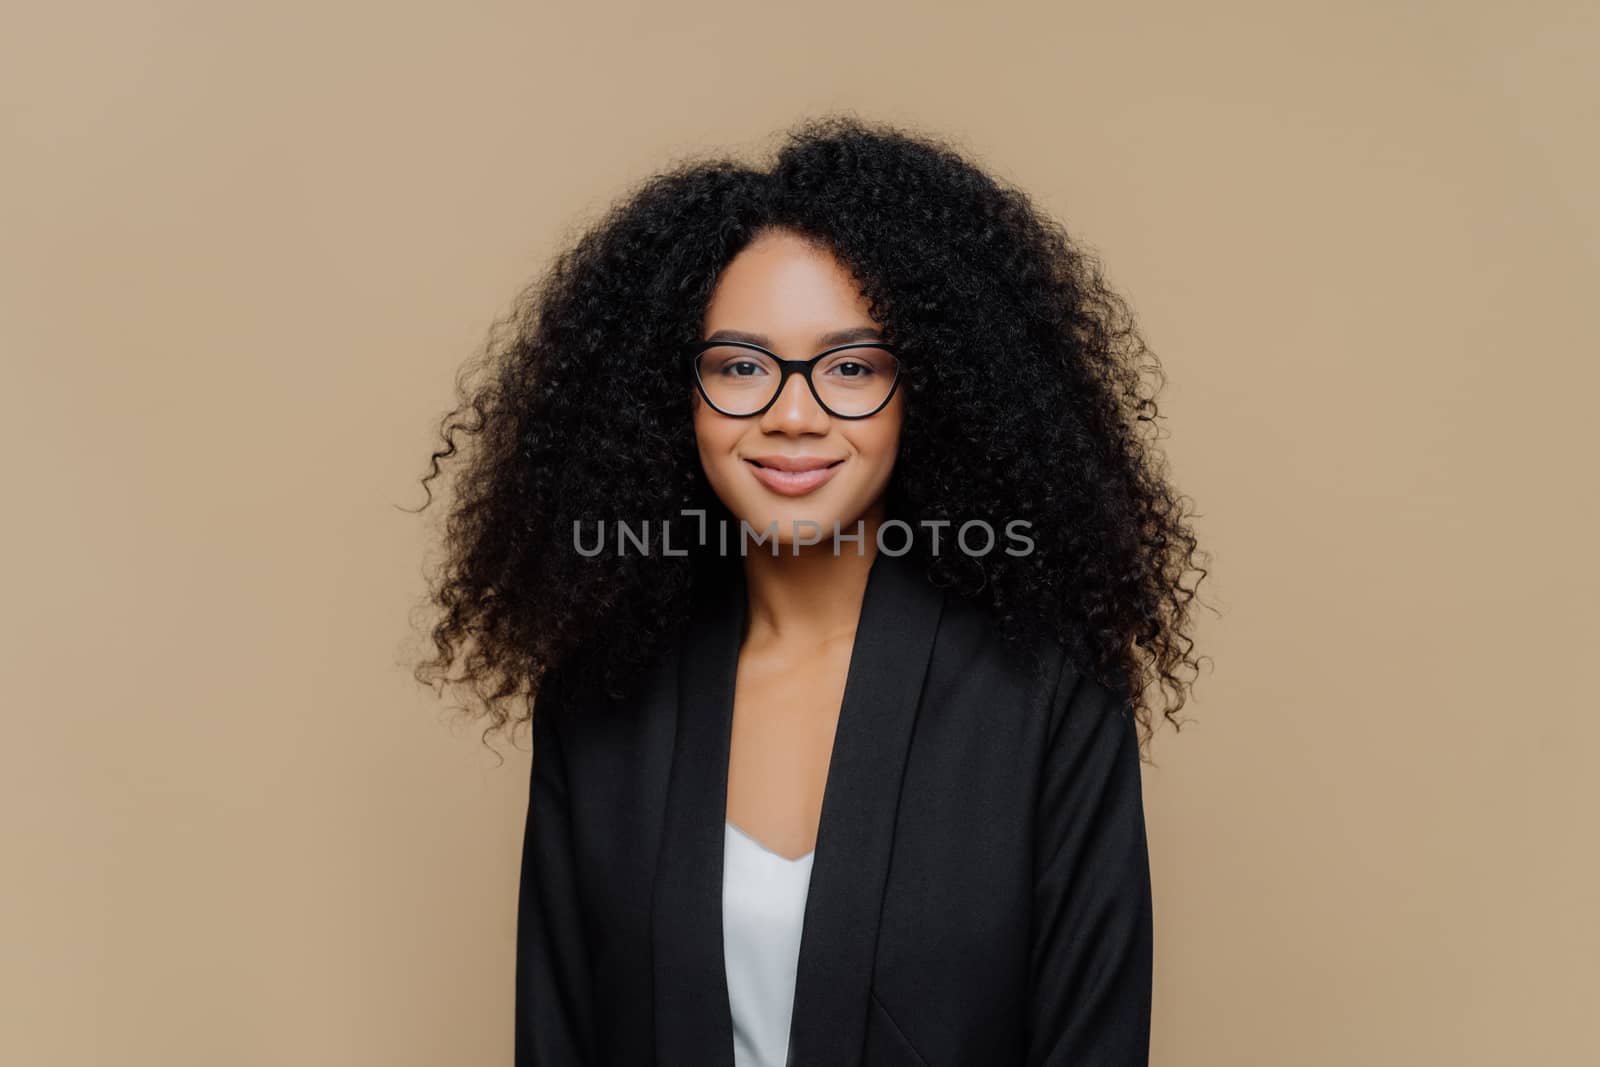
554 1013
1090 965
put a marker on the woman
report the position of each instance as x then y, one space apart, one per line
812 507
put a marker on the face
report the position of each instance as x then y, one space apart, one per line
794 295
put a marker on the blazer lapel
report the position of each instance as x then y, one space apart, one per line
692 1022
888 662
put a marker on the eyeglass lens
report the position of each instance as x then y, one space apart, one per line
741 381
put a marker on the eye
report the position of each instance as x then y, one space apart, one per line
731 363
859 366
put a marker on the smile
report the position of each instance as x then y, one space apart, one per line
794 477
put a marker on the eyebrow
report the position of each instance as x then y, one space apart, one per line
826 340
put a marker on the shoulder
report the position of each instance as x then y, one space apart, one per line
595 726
1057 685
1001 687
971 626
1092 727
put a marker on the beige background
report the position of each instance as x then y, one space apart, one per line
246 247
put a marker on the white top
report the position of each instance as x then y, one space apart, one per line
763 905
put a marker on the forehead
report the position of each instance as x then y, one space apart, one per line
782 290
826 339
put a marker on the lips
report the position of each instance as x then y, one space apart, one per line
793 476
793 463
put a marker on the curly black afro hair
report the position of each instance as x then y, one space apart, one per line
1029 395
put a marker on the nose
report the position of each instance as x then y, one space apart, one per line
795 410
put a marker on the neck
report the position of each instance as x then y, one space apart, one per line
811 598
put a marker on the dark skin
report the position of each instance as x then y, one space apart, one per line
803 608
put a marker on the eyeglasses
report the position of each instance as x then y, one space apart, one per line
743 380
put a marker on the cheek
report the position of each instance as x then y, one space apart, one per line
714 436
879 439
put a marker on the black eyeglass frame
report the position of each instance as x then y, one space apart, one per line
786 367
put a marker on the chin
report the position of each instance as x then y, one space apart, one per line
788 519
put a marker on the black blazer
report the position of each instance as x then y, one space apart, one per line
980 892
